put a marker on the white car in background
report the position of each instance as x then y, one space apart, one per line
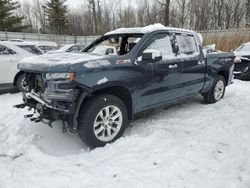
10 54
69 48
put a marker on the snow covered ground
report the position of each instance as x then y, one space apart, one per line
191 145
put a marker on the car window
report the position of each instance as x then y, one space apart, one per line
31 49
162 43
72 49
121 44
80 47
6 51
187 44
47 48
244 48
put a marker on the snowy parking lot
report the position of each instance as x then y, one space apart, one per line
190 145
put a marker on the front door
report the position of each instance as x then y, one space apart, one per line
164 74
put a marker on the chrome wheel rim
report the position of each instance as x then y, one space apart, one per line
108 123
24 84
219 90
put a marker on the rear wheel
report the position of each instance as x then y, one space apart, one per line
102 120
22 83
217 91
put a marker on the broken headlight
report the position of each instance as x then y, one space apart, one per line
60 76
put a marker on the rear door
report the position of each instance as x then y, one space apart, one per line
193 65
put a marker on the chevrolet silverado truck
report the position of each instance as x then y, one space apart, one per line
97 95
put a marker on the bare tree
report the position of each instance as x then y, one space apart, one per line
166 10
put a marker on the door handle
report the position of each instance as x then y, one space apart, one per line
173 66
201 63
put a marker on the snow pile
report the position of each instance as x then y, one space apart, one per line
189 145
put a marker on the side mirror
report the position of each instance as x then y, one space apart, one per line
151 55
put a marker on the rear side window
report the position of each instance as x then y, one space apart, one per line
6 51
31 49
187 44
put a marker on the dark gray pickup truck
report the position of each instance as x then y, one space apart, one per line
97 92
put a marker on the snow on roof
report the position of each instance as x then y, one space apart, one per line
147 29
154 27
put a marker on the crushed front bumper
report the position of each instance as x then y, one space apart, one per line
59 101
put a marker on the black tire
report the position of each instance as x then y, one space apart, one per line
246 77
20 83
89 113
209 97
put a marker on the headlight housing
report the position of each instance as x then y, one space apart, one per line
60 76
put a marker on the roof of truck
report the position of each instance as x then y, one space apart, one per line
151 28
147 29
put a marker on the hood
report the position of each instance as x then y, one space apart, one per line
59 62
241 53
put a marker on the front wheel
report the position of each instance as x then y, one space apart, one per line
217 91
102 120
22 83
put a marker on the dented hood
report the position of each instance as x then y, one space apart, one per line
59 62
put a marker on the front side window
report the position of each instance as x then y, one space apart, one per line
31 49
6 51
187 44
163 44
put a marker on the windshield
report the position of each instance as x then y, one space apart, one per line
31 49
118 44
244 48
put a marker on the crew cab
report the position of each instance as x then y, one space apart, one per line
10 54
97 95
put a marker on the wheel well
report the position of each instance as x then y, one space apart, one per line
121 93
16 77
225 74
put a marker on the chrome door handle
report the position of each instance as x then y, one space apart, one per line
201 63
173 66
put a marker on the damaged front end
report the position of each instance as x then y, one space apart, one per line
52 98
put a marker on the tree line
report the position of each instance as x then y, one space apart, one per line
95 17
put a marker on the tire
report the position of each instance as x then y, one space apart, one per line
246 77
22 84
96 128
217 91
